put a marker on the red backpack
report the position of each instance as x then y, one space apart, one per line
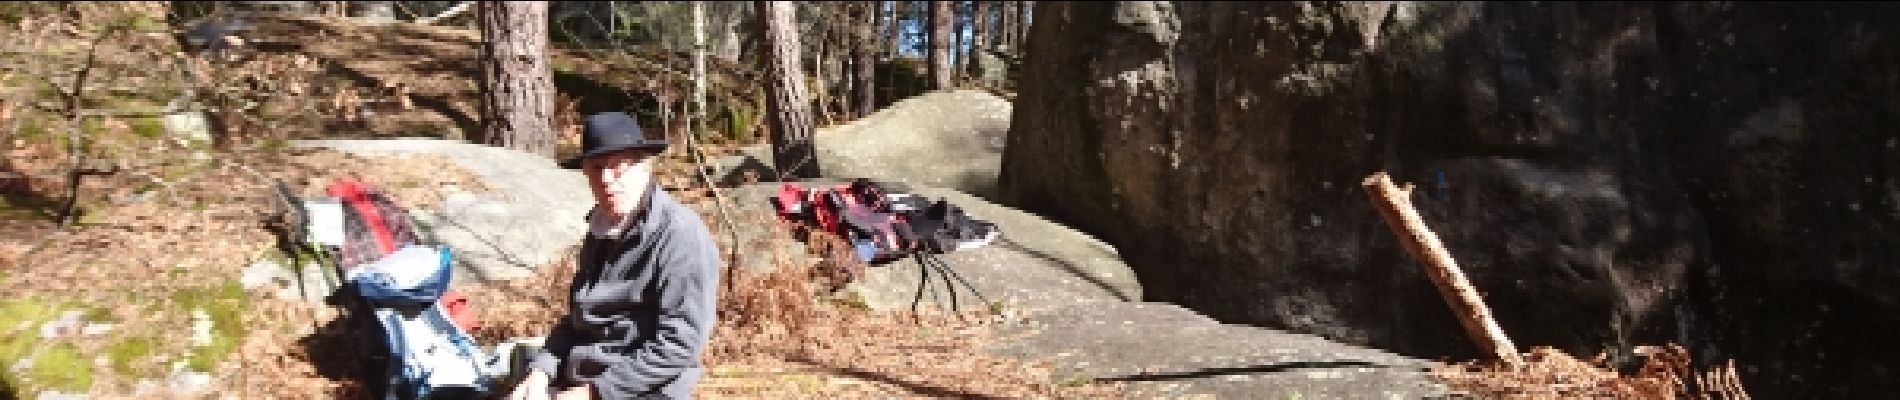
374 227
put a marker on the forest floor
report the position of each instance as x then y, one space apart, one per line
144 294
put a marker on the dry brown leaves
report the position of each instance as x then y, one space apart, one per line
779 337
199 231
1550 373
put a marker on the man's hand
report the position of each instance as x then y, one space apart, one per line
534 387
582 392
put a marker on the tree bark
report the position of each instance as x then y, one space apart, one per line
979 35
518 97
887 28
792 151
820 50
897 28
697 119
866 60
1007 29
940 39
1025 14
731 15
1395 205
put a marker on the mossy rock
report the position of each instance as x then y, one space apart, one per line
225 305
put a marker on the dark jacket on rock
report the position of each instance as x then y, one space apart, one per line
642 307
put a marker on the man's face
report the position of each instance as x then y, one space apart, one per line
618 179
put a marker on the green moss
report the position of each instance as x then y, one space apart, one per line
100 314
126 353
32 128
87 217
17 320
272 144
60 367
1076 381
226 305
148 128
23 314
138 22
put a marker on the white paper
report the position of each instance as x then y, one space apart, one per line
326 221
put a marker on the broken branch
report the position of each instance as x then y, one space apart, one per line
1395 205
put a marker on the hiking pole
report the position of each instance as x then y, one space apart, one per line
944 273
923 283
944 268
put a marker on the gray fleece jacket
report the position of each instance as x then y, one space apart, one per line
641 308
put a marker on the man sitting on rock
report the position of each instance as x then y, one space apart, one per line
644 291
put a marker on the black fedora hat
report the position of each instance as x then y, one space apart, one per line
610 132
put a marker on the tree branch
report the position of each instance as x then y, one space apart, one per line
74 140
1395 205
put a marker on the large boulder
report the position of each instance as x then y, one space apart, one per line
1718 175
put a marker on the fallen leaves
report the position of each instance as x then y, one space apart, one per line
1667 373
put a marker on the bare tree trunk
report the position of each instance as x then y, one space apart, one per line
698 119
866 60
1025 14
518 97
821 49
940 14
792 151
959 44
896 28
1012 20
731 43
831 19
887 28
979 29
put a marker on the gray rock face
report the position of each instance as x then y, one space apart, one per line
1066 297
1609 175
949 139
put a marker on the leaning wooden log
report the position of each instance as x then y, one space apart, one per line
1395 205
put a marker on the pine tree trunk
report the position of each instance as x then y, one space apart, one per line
1025 12
820 48
518 92
731 15
979 29
790 109
697 120
866 60
959 44
940 15
887 28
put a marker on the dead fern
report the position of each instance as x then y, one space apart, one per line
1549 373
